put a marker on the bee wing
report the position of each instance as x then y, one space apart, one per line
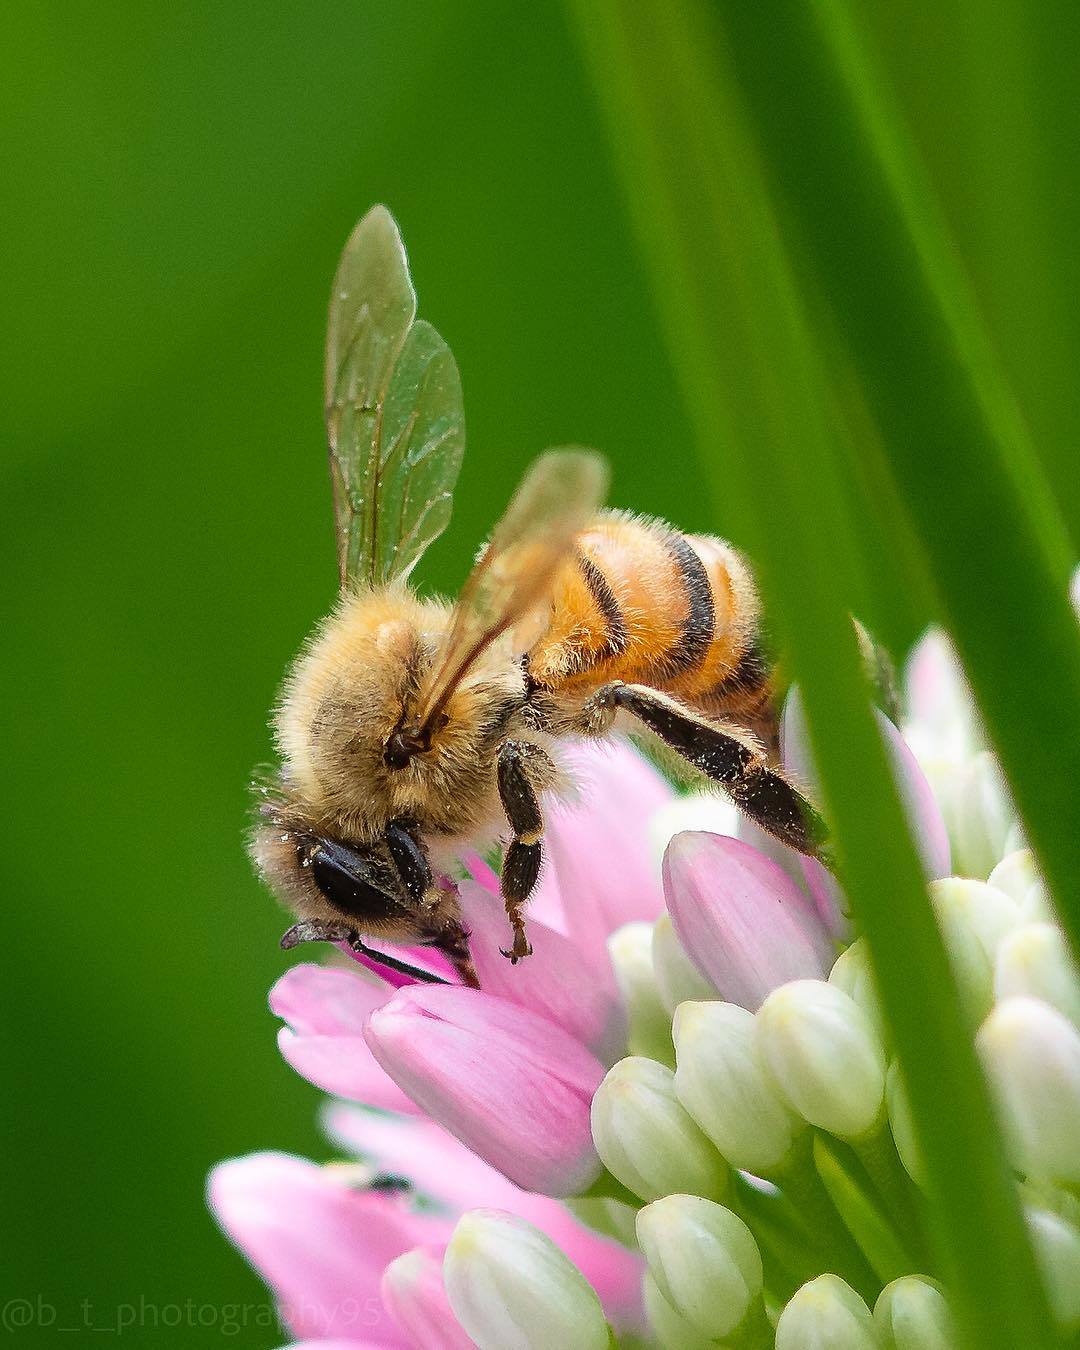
513 576
394 417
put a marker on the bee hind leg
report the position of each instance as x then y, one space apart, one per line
520 766
727 754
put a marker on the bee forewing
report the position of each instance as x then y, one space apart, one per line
394 416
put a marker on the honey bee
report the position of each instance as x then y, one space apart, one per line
408 726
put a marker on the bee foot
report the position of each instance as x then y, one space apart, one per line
310 931
522 947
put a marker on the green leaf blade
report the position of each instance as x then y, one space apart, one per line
742 333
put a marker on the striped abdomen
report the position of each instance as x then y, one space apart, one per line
642 603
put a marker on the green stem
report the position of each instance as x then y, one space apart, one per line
756 1332
780 1236
877 1153
825 1228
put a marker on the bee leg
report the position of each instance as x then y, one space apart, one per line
311 931
518 766
731 757
433 901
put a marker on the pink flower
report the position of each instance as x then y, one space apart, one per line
741 919
321 1244
542 1031
570 983
326 1008
508 1071
412 1290
443 1169
511 1085
360 1264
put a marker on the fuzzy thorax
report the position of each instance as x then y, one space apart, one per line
356 683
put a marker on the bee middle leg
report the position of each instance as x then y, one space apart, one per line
723 752
519 765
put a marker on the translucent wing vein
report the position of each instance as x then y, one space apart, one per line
394 415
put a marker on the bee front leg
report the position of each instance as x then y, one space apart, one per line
519 765
309 930
437 906
728 755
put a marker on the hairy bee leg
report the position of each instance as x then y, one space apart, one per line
729 756
310 931
450 937
518 761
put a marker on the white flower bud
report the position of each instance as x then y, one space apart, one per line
1057 1253
722 1082
1032 1055
826 1314
824 1055
984 817
944 719
902 1124
677 978
911 1314
1035 961
672 1331
853 974
649 1032
987 912
647 1140
974 918
510 1286
704 1260
1018 877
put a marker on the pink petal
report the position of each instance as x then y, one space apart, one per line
320 1244
829 899
325 1000
569 985
344 1067
443 1169
599 842
923 813
413 1293
327 1009
745 924
512 1086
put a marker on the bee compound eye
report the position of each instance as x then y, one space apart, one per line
349 881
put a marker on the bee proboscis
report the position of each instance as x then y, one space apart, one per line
408 726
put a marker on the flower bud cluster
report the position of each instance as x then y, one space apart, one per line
944 731
681 1122
797 1088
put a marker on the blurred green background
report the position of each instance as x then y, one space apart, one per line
178 183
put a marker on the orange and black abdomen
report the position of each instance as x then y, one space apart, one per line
642 603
